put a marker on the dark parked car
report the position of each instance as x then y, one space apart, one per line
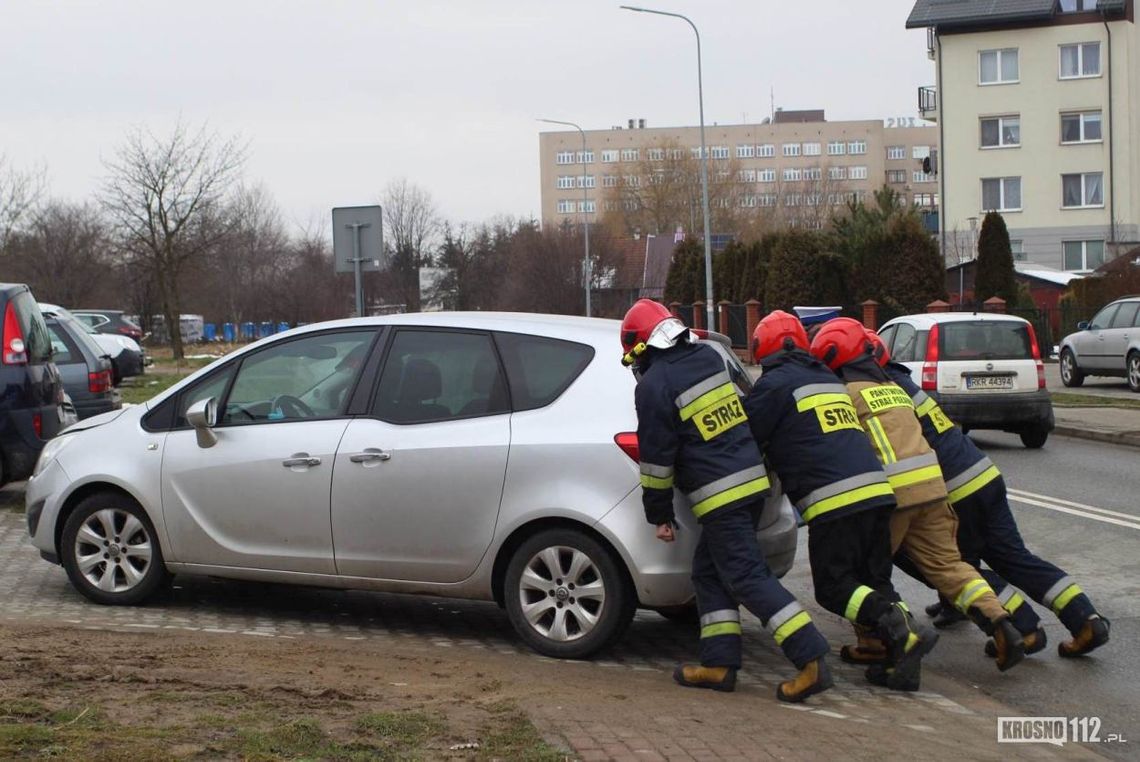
110 321
84 367
31 391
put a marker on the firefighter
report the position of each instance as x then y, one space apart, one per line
923 524
988 532
692 431
803 421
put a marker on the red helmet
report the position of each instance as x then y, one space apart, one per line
774 333
878 348
839 342
638 325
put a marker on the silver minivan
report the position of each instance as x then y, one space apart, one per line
1107 345
471 455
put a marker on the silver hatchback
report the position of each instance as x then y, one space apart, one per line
483 456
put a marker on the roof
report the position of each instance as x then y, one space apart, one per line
1122 263
927 319
642 264
1047 274
959 13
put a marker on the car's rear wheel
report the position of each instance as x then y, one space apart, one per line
1134 371
1071 374
110 550
566 595
1034 439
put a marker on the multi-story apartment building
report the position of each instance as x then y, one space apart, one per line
796 159
1038 103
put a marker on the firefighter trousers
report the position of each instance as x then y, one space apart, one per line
851 565
729 571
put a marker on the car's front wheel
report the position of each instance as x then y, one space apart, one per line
1071 374
566 595
110 550
1134 371
1034 439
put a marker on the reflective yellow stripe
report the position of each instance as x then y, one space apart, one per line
907 478
730 495
1062 600
926 407
975 484
880 440
706 399
789 628
656 482
856 602
1014 603
720 628
973 590
845 499
816 400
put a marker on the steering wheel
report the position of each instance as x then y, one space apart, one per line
284 402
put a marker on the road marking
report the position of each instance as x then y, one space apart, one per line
1071 504
1053 504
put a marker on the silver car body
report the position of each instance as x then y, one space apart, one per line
438 517
1104 346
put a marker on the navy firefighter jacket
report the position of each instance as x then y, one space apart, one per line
965 468
692 431
802 419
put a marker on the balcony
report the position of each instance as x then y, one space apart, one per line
928 103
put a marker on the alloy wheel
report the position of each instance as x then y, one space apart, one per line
1134 371
562 593
113 550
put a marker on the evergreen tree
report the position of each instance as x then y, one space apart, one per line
994 273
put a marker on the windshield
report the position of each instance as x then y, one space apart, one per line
984 340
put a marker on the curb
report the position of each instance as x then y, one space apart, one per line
1128 439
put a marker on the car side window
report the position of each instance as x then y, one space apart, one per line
1125 315
213 385
1103 318
905 343
36 337
432 375
62 351
304 378
540 369
887 335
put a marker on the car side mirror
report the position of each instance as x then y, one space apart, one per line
1083 325
203 417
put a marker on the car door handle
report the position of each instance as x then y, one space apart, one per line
300 459
370 455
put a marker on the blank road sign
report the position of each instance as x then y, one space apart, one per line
371 224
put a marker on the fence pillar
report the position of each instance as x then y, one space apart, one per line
699 315
871 314
675 308
938 306
752 318
994 304
722 315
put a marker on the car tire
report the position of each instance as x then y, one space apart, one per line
1133 365
111 552
1071 374
542 578
1034 439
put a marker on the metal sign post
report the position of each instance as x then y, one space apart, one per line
358 244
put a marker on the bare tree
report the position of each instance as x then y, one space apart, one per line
165 196
411 225
247 263
64 252
19 192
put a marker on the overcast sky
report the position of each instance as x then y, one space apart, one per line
335 98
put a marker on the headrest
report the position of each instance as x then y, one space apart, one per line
422 381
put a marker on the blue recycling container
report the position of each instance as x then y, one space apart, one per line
265 329
282 327
210 332
229 332
248 330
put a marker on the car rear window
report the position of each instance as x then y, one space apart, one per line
539 369
984 340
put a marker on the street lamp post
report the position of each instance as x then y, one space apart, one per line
587 266
704 162
973 255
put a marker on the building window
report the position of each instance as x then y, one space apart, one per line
656 154
719 152
1082 190
746 175
564 182
896 175
996 67
609 181
836 148
791 149
1001 132
812 149
1001 194
918 176
920 152
695 152
1080 60
586 206
632 181
766 199
629 154
722 176
1017 248
837 173
609 156
1081 127
566 206
610 205
676 154
766 175
857 147
1083 255
746 152
657 177
585 157
857 173
586 181
564 157
813 173
748 202
766 151
896 152
793 174
1076 6
814 199
793 199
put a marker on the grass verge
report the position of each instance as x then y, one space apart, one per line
1068 399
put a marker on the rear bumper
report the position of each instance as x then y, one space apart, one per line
85 408
130 363
1008 412
19 442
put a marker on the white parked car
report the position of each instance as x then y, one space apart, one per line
1107 345
985 369
126 355
470 455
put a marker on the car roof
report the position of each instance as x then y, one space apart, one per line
569 327
927 319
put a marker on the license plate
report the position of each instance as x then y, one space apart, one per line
989 382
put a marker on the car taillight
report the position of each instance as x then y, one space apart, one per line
1036 349
38 425
627 441
930 365
99 382
15 351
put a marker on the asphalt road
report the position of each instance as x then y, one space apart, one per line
1098 386
1076 505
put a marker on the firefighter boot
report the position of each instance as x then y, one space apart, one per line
882 675
1034 642
907 642
1009 647
814 678
715 678
1093 634
869 648
944 614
